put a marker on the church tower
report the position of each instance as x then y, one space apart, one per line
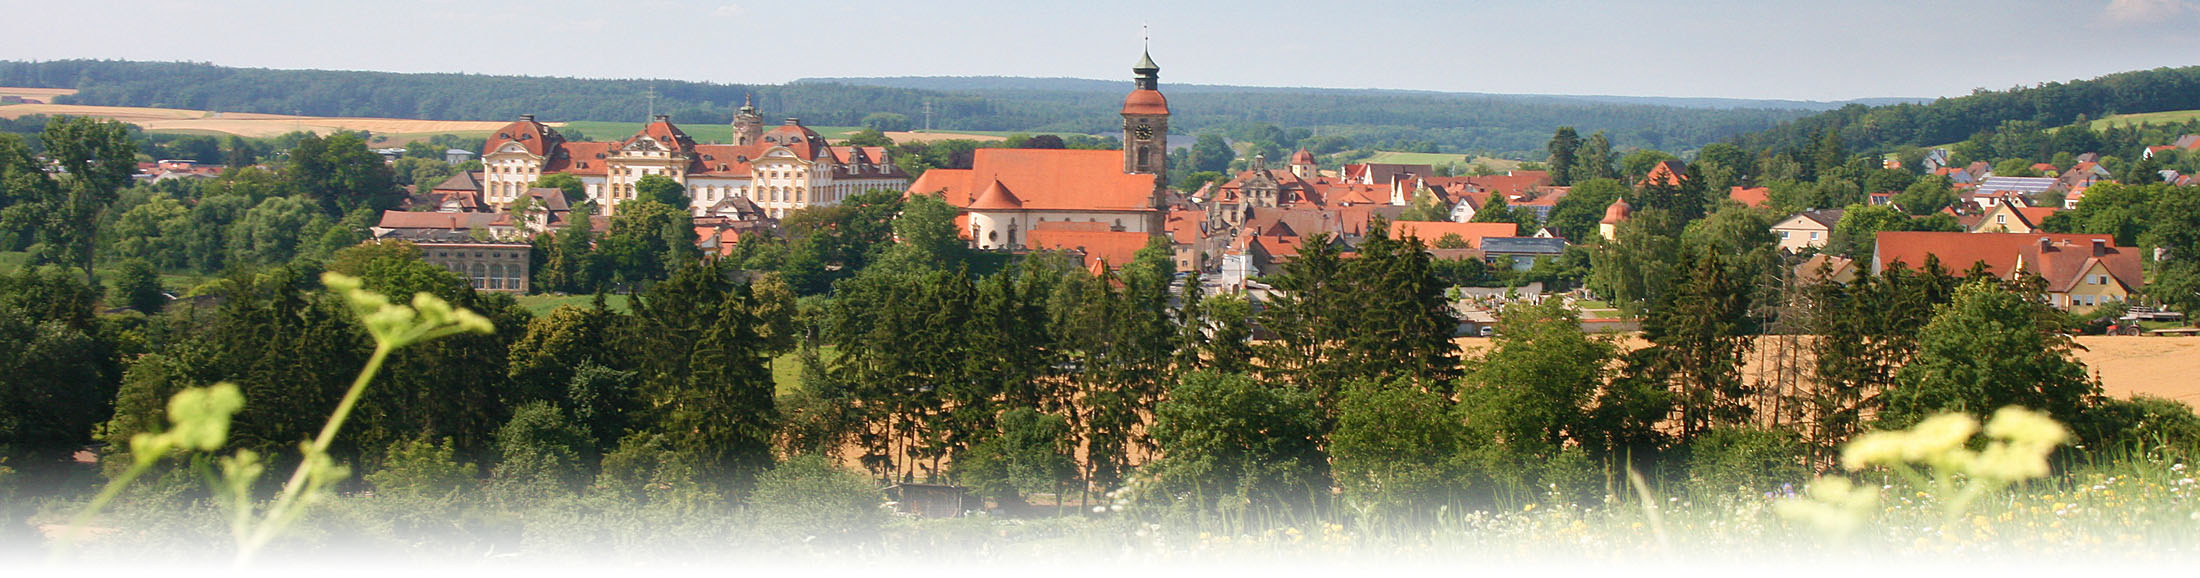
1146 124
748 126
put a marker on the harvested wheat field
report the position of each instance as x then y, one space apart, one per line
2127 365
35 94
249 125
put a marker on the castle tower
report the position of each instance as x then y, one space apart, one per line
1146 124
748 126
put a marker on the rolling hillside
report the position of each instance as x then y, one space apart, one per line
1885 128
1447 122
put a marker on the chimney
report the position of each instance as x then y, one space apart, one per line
792 121
527 118
664 118
2100 247
2046 244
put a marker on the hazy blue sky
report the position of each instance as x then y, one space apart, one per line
1726 48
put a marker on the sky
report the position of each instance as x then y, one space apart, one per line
1830 50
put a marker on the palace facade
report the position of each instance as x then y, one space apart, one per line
782 169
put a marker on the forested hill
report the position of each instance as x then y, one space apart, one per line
983 84
1947 120
1402 120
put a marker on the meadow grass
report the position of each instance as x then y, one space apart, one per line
1441 159
2164 117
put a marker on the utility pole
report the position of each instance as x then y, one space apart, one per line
652 117
927 116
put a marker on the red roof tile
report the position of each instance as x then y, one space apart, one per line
1113 247
1046 179
1145 102
2061 259
1430 232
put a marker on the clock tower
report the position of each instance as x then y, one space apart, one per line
1146 124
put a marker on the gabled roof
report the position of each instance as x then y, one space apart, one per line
1473 233
2061 259
2026 185
463 181
1046 179
1754 198
1115 248
1667 172
1824 217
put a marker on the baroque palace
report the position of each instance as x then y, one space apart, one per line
782 169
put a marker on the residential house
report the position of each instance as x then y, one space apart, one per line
2007 218
1752 197
1670 173
2081 271
1824 267
1472 233
1806 230
1521 252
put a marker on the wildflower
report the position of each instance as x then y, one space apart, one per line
2026 427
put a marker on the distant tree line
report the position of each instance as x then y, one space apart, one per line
1446 122
1947 120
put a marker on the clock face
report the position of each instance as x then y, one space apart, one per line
1143 132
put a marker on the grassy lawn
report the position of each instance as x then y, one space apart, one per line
787 369
1440 159
2173 116
541 305
177 283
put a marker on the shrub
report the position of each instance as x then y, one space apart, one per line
2144 423
1397 449
540 455
1749 458
1031 454
421 468
137 286
1229 439
646 469
809 499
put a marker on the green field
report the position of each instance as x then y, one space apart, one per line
541 305
177 283
2165 117
703 133
787 369
1440 159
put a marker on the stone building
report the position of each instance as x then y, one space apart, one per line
499 267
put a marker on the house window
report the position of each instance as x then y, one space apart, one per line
2100 279
2000 219
1783 235
1813 235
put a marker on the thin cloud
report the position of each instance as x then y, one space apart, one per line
2144 12
730 11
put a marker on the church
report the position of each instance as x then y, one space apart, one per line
785 168
1100 203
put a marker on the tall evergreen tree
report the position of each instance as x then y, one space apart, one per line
1697 347
1564 147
